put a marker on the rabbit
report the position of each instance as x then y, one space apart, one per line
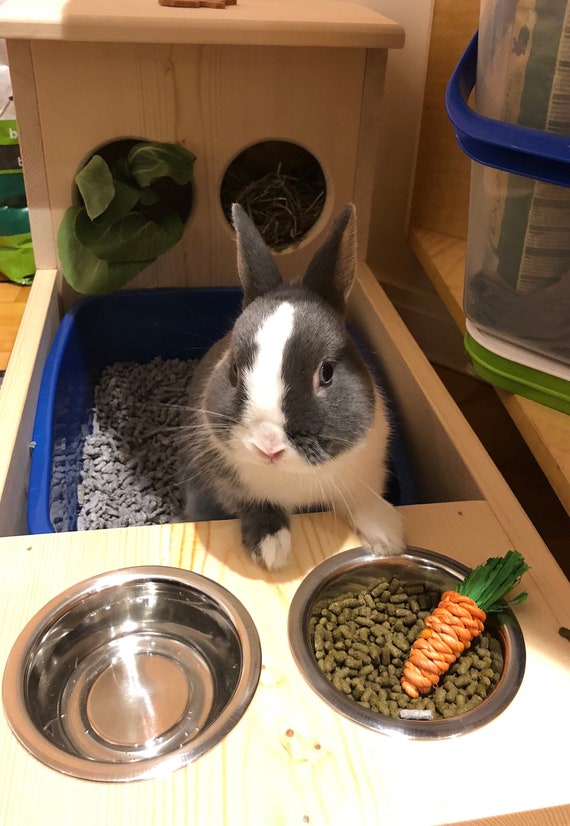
289 417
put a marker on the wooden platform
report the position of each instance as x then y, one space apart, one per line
261 774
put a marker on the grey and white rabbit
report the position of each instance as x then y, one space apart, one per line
288 416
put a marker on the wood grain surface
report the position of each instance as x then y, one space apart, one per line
13 299
291 759
250 22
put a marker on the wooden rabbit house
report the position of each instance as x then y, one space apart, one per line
251 88
268 79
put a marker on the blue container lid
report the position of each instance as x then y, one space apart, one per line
531 153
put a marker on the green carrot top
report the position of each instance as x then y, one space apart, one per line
488 584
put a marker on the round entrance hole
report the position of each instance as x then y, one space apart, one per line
281 186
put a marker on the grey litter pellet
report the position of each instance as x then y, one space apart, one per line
130 456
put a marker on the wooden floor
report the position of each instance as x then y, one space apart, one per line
479 404
12 303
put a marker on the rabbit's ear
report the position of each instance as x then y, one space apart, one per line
332 269
256 269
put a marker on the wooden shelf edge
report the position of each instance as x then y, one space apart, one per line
255 22
545 431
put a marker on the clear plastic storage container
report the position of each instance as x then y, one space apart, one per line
517 269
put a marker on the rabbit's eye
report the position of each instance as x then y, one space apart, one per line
234 373
326 371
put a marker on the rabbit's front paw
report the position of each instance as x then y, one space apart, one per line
382 530
266 535
273 550
384 544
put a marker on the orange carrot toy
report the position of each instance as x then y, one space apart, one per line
458 619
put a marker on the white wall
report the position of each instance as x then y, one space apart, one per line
393 263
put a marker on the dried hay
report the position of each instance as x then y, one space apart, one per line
284 206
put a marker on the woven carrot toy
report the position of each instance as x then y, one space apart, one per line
459 618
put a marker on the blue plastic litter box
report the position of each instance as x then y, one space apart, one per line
137 326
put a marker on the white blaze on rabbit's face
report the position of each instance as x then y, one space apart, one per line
263 424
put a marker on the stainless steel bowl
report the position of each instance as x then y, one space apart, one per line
131 674
358 568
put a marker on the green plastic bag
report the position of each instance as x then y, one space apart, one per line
16 252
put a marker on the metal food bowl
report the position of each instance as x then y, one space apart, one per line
357 569
131 674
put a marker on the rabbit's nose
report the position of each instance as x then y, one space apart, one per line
268 442
269 453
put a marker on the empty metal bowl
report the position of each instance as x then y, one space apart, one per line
131 674
357 569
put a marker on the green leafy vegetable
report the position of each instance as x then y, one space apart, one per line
132 238
84 271
125 199
126 219
150 161
96 185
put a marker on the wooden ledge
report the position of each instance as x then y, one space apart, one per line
250 22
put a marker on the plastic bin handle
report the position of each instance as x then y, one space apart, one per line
519 149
